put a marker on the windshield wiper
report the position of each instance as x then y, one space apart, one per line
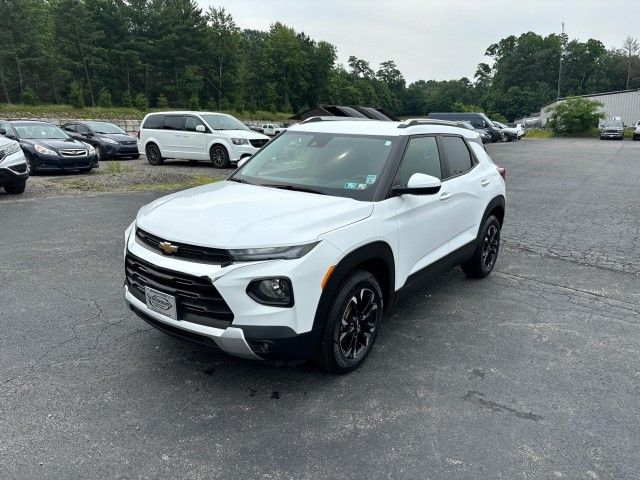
294 188
239 180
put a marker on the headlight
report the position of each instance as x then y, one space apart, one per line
108 140
276 292
274 253
90 149
239 141
45 151
11 148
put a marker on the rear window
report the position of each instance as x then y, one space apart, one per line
174 122
153 122
457 154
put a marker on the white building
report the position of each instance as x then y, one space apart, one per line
625 104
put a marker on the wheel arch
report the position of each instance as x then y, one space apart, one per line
375 257
495 207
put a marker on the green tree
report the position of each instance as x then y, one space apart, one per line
76 95
141 102
224 39
104 98
162 102
29 96
575 116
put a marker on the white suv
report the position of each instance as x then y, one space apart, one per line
304 247
217 137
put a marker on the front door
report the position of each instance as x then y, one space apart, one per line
424 221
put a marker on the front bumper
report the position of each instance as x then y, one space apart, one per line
13 169
612 134
60 162
120 151
241 151
256 331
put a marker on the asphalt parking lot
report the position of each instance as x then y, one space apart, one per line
531 373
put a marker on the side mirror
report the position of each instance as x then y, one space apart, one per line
242 161
200 128
3 131
419 184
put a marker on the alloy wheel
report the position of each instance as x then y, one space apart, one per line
490 247
218 157
358 324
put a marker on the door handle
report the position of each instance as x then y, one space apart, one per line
446 196
485 182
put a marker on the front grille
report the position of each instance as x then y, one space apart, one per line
216 256
128 142
73 153
259 143
197 300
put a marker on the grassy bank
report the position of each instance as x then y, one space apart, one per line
67 111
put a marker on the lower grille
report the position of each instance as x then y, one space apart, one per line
197 300
259 143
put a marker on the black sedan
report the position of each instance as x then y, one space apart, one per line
47 148
109 140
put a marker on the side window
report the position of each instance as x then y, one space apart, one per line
174 122
421 156
71 127
191 123
457 155
153 122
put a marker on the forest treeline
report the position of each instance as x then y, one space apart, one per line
172 53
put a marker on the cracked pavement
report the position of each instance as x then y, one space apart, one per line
531 373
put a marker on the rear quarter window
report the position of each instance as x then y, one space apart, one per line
457 154
153 122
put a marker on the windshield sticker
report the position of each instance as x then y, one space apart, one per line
362 186
387 143
350 186
371 179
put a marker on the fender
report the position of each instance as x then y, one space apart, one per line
376 256
496 202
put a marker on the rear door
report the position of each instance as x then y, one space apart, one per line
194 143
467 181
424 221
171 136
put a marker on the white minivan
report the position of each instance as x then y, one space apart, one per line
217 137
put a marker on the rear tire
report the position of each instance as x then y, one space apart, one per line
352 325
154 157
486 252
15 189
219 156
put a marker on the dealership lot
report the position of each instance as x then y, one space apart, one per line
532 373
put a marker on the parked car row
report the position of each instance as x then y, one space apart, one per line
109 140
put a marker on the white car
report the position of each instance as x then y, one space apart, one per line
304 247
217 137
13 165
636 131
271 129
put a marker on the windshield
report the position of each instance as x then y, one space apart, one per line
334 164
104 127
219 121
468 125
614 123
498 124
40 130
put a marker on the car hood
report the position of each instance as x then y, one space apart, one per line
118 137
248 134
56 144
234 215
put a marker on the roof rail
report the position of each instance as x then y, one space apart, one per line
332 119
412 122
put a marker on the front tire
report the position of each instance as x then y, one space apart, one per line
486 251
219 156
353 323
15 189
154 157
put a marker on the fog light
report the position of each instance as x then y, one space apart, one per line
275 292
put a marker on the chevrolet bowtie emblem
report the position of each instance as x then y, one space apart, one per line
167 248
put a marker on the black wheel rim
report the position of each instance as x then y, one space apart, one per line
152 154
218 157
490 247
358 324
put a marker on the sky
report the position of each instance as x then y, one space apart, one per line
435 39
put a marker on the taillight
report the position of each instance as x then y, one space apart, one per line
138 134
502 171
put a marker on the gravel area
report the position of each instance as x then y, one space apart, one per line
122 176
